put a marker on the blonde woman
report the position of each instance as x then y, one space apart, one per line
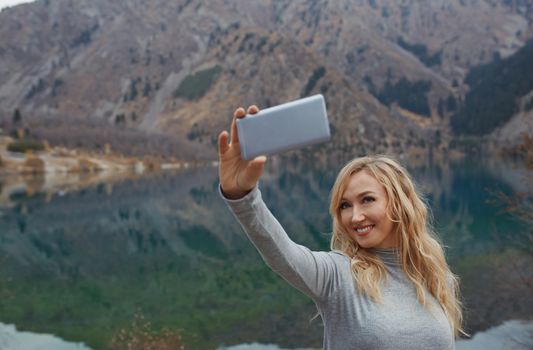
385 284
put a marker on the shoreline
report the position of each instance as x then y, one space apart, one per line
52 183
13 339
511 335
61 170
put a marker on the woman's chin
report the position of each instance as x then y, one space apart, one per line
365 244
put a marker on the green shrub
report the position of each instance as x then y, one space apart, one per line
194 86
409 95
495 88
313 79
38 87
85 37
421 51
22 146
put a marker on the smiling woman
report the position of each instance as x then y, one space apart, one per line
374 204
385 284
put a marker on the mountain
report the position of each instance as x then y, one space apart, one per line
182 67
494 90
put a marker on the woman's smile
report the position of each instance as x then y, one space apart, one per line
363 230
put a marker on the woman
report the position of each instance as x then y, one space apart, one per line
385 284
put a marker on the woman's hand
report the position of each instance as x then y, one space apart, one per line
237 176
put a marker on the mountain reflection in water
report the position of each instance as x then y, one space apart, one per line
80 264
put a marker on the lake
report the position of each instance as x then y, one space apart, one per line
81 264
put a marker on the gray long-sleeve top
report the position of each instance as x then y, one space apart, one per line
351 319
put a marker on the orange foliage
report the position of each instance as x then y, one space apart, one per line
33 164
141 336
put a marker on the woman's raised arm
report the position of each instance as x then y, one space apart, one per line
311 272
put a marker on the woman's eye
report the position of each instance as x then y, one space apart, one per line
344 205
368 199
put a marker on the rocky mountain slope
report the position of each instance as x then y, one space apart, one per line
183 66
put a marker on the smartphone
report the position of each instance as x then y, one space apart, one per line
287 126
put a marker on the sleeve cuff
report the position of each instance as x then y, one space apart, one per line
242 203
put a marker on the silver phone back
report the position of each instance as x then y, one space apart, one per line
287 126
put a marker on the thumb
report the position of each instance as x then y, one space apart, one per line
256 167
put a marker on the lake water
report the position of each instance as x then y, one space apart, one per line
81 265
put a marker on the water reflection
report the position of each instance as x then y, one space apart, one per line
79 264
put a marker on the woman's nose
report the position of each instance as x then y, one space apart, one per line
357 216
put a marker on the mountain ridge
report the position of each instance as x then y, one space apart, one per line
123 62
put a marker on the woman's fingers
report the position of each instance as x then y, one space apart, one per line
255 168
260 160
239 113
253 109
223 142
234 135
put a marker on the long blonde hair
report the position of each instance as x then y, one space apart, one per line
421 255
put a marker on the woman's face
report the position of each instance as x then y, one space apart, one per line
363 211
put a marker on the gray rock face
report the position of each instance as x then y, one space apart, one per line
123 61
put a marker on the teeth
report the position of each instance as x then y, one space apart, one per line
364 229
